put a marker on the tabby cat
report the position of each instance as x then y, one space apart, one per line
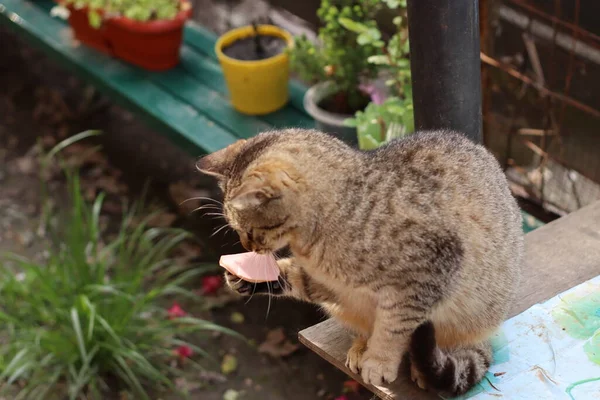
416 246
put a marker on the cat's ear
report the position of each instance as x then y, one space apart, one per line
252 193
216 164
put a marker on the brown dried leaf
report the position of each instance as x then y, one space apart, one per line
277 345
26 164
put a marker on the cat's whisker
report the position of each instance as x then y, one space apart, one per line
251 295
269 294
202 198
226 226
217 214
206 207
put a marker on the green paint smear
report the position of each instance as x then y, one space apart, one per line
592 348
579 383
580 318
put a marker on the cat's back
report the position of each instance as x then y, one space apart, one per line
452 179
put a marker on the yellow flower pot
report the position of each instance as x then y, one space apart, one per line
255 87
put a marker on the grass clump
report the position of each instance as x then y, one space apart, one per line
91 318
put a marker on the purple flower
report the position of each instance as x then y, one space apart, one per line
376 94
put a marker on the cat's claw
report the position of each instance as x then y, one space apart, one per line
355 354
246 288
417 377
377 369
238 285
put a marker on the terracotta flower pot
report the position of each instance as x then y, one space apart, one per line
152 45
92 37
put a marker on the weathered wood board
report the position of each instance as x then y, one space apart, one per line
558 256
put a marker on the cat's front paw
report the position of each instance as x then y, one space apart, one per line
238 285
246 288
355 354
377 369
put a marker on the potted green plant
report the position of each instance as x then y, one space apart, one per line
146 33
338 63
256 67
389 115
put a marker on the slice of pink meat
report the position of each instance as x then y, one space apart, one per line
251 267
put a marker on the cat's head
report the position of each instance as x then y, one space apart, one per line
262 189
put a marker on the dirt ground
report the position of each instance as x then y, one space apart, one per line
39 101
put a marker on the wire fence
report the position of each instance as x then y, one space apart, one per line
541 72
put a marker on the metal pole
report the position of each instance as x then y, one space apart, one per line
445 65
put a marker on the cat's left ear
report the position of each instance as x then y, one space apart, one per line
252 193
216 164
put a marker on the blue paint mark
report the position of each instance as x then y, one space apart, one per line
500 348
597 313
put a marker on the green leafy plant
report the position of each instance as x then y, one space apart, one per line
138 10
380 123
91 318
384 120
337 58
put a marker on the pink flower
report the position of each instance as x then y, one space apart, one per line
184 352
176 311
351 386
342 397
210 284
376 94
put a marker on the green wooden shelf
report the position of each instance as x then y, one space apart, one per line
189 103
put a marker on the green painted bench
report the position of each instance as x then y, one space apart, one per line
188 104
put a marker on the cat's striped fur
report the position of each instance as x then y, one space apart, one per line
415 246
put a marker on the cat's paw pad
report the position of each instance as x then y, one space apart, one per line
377 369
238 285
417 377
355 355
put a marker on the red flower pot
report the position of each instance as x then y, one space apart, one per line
152 45
78 19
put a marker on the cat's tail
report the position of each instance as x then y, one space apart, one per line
453 371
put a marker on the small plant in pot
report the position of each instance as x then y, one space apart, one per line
146 33
389 115
256 67
338 64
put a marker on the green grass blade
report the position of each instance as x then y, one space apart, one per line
78 333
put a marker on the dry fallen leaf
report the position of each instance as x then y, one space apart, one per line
237 317
229 364
26 164
211 377
186 386
277 345
231 394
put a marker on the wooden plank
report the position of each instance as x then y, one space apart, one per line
209 102
182 123
558 256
